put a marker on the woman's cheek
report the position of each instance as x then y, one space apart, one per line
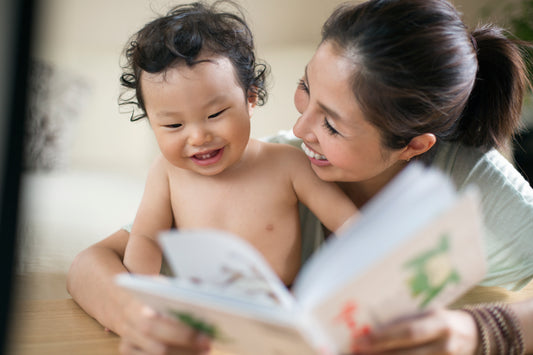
300 101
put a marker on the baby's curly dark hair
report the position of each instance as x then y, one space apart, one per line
180 37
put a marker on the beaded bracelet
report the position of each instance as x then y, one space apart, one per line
499 329
484 337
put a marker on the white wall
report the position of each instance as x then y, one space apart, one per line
85 38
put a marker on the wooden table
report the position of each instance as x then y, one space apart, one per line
59 326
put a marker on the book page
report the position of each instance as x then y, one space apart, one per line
416 245
407 203
235 326
432 269
221 263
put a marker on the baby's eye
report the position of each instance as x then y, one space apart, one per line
174 125
216 114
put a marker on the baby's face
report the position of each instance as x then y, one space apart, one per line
200 115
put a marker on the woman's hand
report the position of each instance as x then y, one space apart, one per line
145 331
435 332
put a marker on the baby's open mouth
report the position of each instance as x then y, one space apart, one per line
207 155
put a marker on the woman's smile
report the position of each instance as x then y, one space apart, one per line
314 157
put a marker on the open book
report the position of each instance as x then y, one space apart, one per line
416 245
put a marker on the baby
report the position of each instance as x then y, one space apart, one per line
196 78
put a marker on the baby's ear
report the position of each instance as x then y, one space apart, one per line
252 96
252 101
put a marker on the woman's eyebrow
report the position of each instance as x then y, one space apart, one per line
330 112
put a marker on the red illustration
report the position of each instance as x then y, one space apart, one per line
347 316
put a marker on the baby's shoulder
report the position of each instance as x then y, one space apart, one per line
159 164
279 151
162 169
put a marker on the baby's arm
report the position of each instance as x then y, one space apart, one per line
143 254
325 199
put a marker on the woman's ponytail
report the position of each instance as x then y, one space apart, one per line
492 113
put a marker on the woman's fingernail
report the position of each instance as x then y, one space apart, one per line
203 341
148 312
361 343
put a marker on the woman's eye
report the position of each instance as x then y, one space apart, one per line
303 86
174 125
216 114
330 128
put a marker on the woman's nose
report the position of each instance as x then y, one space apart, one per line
303 128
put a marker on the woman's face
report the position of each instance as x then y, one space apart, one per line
340 143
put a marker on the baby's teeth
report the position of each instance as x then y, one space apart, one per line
206 155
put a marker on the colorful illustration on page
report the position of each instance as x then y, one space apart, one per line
199 325
348 318
252 283
431 272
238 276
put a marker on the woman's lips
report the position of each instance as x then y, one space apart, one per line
208 157
314 157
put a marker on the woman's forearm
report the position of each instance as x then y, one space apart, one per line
142 255
90 280
524 312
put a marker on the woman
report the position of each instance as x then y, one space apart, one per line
392 81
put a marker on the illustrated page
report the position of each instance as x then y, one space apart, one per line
432 269
223 263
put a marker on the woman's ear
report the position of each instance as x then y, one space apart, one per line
418 145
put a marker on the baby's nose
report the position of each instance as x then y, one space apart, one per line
199 136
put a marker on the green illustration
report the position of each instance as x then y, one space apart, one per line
199 325
432 271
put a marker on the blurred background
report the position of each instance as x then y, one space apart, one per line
85 162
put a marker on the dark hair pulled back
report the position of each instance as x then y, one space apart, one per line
419 70
180 36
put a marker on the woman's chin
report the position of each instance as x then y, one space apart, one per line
324 172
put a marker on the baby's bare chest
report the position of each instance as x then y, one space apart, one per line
247 207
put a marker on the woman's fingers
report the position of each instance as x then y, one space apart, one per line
127 348
403 333
435 332
433 348
148 332
164 328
